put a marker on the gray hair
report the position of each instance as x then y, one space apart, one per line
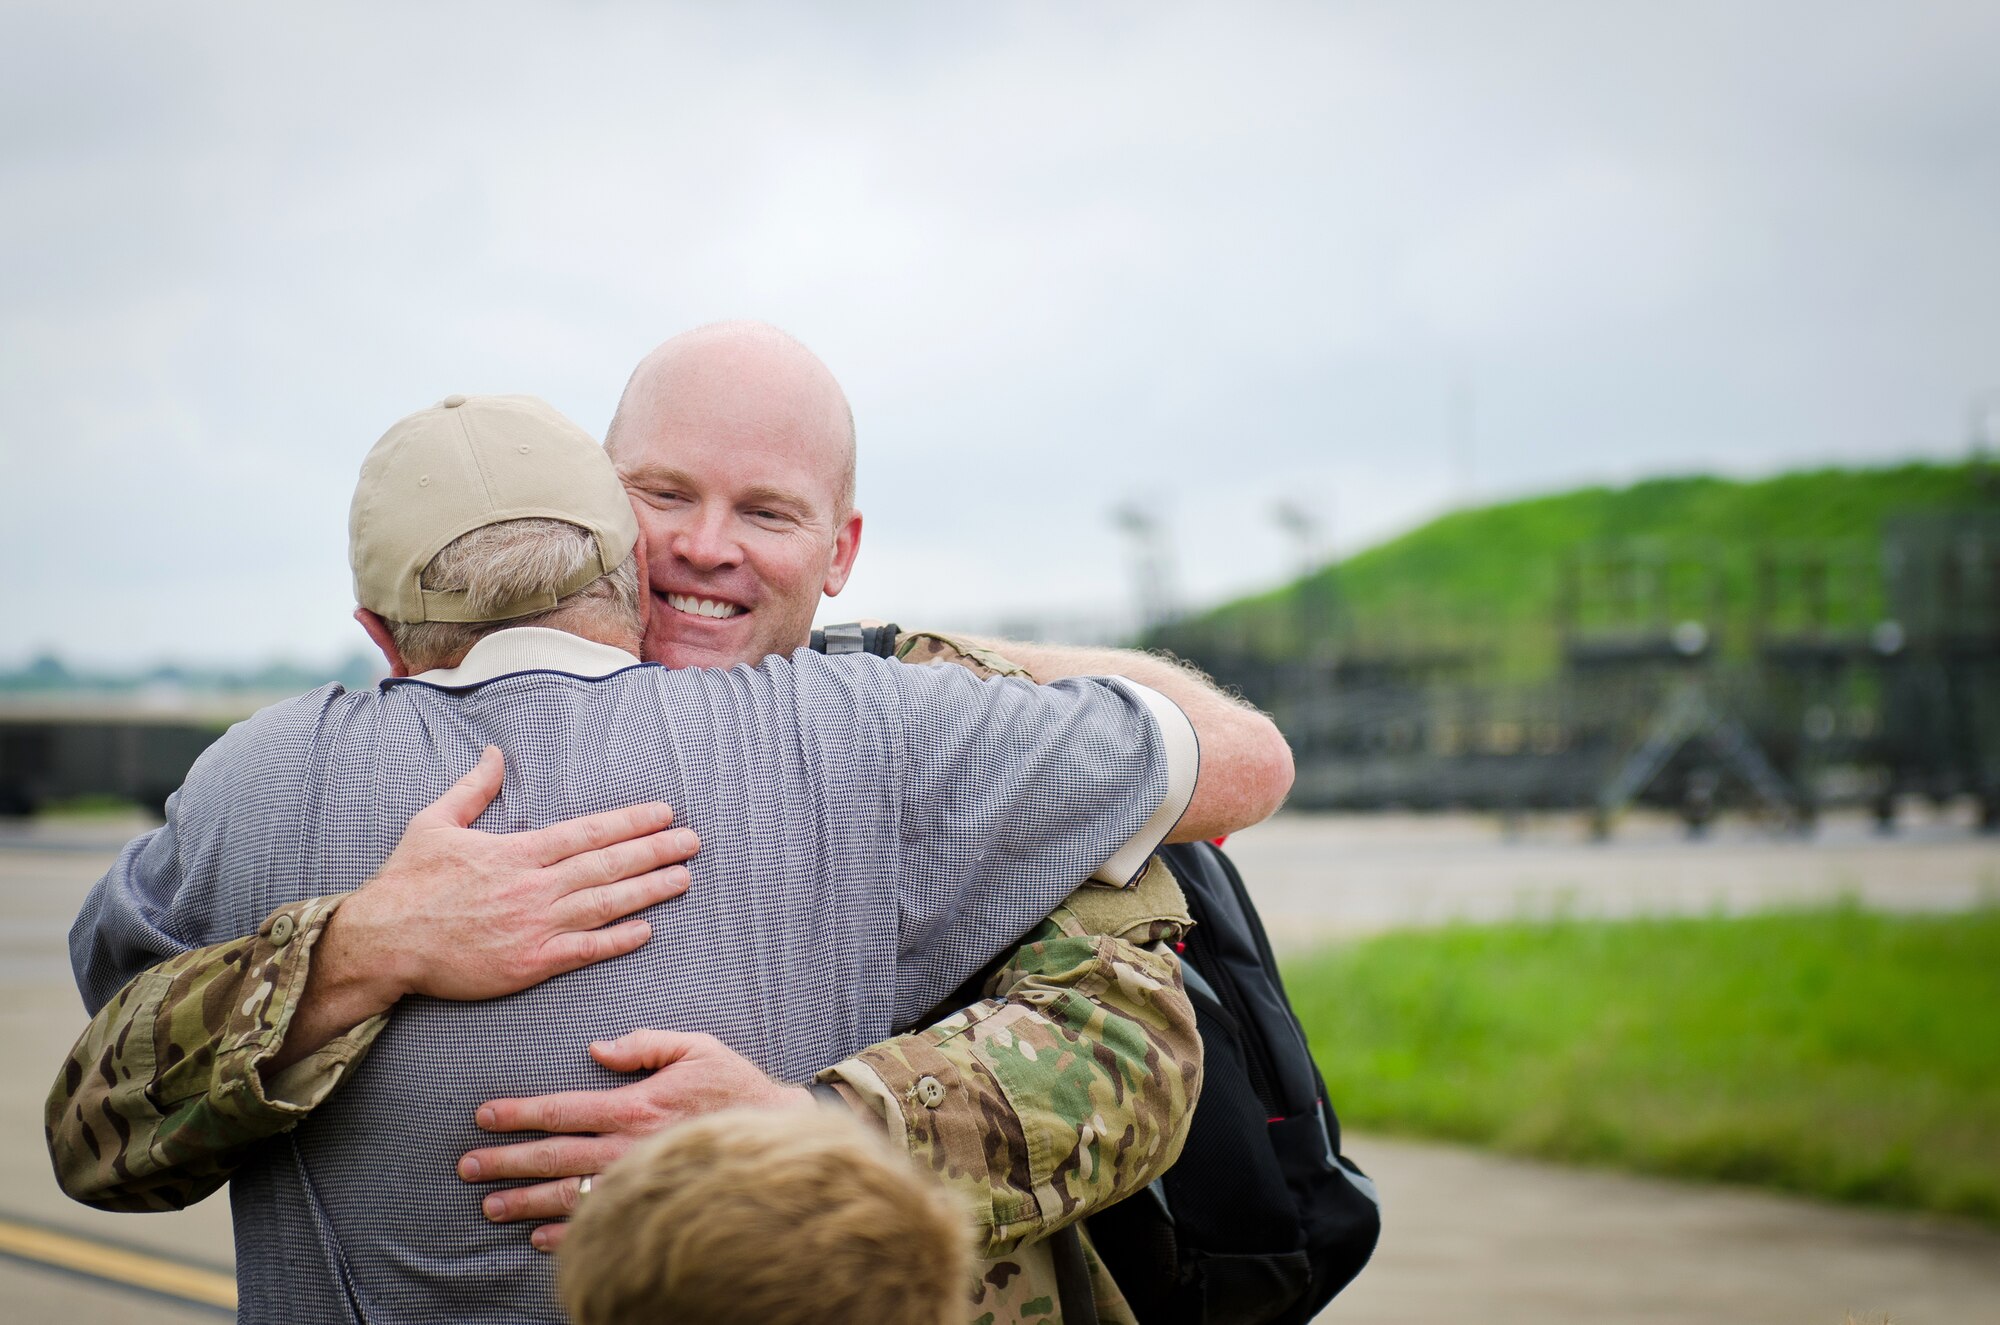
505 562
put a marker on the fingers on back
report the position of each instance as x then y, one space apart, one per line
594 832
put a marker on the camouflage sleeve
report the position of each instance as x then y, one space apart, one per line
930 646
165 1094
1069 1086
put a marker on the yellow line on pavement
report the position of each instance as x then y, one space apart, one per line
155 1274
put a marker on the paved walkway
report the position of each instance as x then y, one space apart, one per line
40 1017
1318 877
1470 1236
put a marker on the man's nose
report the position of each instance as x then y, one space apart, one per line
706 542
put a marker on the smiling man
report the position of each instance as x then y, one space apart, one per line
738 451
737 447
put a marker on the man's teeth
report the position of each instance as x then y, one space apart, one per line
702 606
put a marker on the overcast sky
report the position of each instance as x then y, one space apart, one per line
1375 259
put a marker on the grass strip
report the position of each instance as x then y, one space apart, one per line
1835 1051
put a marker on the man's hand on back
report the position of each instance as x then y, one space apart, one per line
461 914
691 1075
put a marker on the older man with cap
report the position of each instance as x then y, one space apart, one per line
870 828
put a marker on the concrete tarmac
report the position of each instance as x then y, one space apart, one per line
44 872
1323 877
1470 1236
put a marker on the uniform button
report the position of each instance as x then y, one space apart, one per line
452 401
283 928
930 1092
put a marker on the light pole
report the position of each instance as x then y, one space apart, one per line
1982 424
1303 529
1152 564
1316 595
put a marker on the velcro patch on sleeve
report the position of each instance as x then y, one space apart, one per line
1101 908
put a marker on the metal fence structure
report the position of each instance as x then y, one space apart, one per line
1838 673
62 751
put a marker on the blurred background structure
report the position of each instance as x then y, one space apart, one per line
1823 639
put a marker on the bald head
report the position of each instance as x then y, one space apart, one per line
736 447
742 378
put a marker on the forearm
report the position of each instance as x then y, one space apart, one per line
1246 765
1068 1088
1089 1008
169 1087
342 988
204 1055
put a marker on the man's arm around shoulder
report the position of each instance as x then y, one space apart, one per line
1245 769
195 1061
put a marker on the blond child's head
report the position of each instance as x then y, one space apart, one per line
769 1218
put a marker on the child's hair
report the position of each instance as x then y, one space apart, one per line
766 1218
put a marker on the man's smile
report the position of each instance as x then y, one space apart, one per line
718 608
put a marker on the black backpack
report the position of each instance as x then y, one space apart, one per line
1262 1219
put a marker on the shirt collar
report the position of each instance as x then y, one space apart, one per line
530 649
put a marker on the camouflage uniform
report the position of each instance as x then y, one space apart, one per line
1067 1087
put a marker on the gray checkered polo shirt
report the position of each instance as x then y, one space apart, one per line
872 833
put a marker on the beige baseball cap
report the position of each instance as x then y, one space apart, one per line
465 463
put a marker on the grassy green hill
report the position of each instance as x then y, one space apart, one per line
1491 575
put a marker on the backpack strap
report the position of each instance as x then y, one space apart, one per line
1073 1290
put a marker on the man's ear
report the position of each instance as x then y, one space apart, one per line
378 630
846 544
